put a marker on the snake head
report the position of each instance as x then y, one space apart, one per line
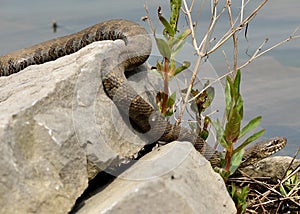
262 150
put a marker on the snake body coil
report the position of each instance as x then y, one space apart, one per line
136 50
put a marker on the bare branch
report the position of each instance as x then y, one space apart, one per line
226 60
234 38
197 65
149 19
257 54
242 12
229 34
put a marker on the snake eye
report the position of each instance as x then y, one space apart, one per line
272 143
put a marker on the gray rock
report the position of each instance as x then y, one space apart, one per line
58 129
271 167
53 118
172 179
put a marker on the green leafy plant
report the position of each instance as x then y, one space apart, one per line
168 48
233 132
289 184
227 136
202 101
239 196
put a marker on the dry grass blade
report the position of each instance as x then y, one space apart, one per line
268 197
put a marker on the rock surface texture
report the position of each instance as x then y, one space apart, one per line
171 179
53 118
272 167
58 129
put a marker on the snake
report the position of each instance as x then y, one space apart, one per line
135 51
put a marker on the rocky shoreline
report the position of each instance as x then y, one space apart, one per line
58 130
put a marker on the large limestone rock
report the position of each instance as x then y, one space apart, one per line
172 179
58 129
53 118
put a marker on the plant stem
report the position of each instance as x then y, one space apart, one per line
166 86
228 156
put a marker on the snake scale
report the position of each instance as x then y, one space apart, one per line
136 50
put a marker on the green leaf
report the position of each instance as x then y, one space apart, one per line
177 43
237 81
240 105
233 125
223 161
210 96
159 66
177 48
249 140
244 192
233 190
290 183
171 99
224 174
163 48
236 160
175 8
157 71
185 65
204 134
282 191
228 97
220 133
172 68
169 113
184 34
234 109
168 27
250 126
